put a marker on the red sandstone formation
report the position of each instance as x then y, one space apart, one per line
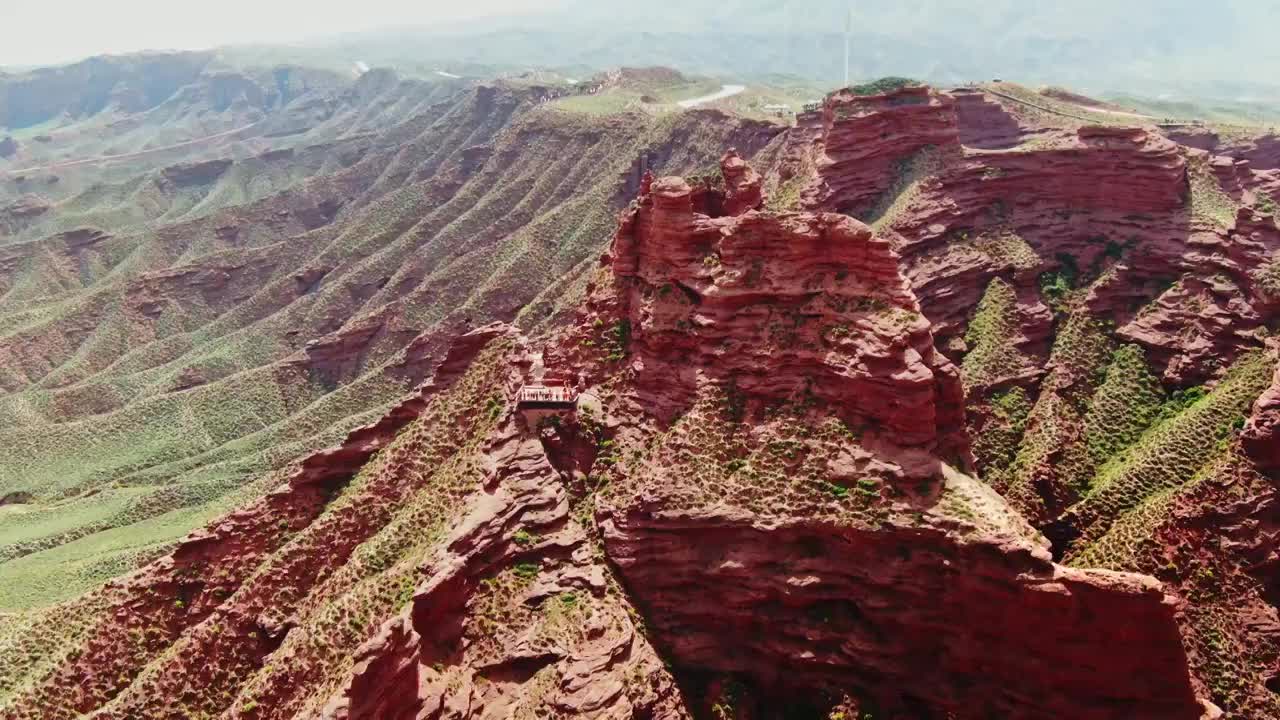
1072 197
1121 170
742 183
772 302
1262 151
1234 176
982 122
1099 190
603 668
1245 185
1261 435
1148 247
1117 174
867 138
757 304
952 627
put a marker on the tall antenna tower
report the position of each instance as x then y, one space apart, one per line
848 30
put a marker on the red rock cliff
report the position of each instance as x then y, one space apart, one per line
866 139
777 503
1261 436
779 304
982 122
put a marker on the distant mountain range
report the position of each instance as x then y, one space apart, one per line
1183 49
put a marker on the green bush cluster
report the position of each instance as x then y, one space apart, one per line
1173 452
1050 468
996 443
883 85
1127 402
993 354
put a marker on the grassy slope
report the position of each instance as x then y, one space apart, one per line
122 460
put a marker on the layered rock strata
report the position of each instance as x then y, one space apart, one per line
983 122
778 304
855 173
936 599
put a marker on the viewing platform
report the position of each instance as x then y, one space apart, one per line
546 397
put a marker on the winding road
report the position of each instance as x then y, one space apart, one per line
722 93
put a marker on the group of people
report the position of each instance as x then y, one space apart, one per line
542 393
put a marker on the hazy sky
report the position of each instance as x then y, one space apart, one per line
35 32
